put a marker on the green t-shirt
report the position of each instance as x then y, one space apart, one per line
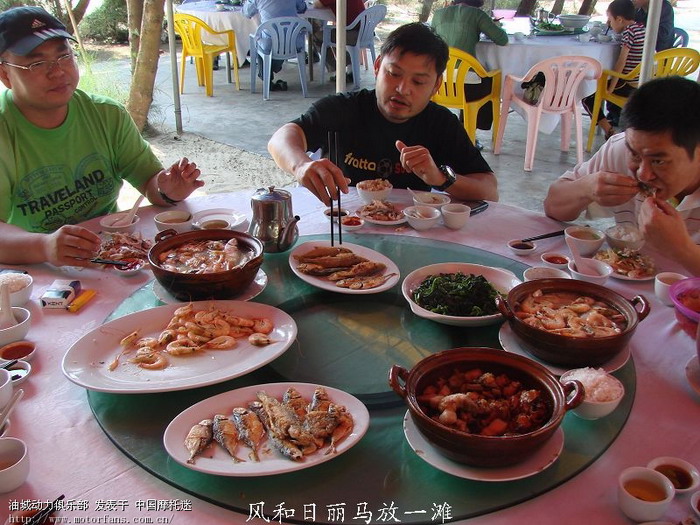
65 175
461 27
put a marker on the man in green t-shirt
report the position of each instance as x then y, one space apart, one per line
65 153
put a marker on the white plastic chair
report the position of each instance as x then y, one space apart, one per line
560 95
278 38
366 22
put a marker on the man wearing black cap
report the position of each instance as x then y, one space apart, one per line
64 153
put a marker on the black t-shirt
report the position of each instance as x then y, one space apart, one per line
367 141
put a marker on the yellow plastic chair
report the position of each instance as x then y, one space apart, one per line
451 91
193 32
681 61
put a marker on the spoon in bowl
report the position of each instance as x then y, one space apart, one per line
581 265
129 217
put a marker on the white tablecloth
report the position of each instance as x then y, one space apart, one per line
71 455
231 18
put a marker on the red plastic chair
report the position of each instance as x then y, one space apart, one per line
560 96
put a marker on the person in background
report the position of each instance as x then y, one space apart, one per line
461 25
649 175
273 9
665 36
621 20
65 153
393 131
353 8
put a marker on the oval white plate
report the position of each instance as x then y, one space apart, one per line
233 217
324 284
535 464
510 343
623 277
501 279
86 362
360 213
254 289
217 461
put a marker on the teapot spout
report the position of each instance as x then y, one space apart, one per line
289 235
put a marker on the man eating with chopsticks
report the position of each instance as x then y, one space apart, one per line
649 175
393 132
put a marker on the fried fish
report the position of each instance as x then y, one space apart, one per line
198 438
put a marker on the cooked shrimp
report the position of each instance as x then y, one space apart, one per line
222 342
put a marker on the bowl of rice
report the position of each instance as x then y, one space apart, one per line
21 286
623 236
373 190
602 392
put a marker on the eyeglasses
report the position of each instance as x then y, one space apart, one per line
44 66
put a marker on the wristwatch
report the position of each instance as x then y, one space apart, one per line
450 178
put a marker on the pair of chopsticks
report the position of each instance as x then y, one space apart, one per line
543 236
333 157
97 260
41 516
9 364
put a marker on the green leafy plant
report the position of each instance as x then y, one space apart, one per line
107 24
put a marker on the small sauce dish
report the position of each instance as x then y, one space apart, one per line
352 223
601 271
18 350
343 213
134 267
19 372
683 475
555 260
519 247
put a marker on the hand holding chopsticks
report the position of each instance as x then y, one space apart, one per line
333 157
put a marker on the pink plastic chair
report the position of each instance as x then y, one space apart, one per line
560 95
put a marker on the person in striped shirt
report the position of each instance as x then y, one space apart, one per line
648 176
621 20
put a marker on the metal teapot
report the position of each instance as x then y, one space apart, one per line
542 15
273 222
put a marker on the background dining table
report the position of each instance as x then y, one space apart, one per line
70 454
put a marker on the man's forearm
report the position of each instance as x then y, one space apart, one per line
288 148
565 200
475 186
18 246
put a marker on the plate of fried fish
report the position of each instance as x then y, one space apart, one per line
347 268
267 429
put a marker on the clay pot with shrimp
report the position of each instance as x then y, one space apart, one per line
561 346
485 449
201 276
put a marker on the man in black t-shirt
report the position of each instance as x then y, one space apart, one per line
665 36
393 131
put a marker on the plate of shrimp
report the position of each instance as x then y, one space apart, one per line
267 429
179 346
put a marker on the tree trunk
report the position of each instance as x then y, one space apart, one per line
144 76
557 7
587 7
426 7
135 10
526 8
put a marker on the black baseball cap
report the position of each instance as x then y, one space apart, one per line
22 29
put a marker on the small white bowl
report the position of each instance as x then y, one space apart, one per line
428 198
634 479
21 295
135 267
178 220
19 372
555 260
687 477
107 223
519 247
352 227
543 272
695 503
623 236
24 350
15 457
368 196
422 217
18 331
590 407
587 240
602 271
455 215
604 38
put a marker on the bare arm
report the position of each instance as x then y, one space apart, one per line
619 66
321 177
69 245
177 183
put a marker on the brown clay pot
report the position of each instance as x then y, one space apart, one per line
218 285
572 352
474 449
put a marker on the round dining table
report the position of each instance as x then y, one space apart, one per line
104 451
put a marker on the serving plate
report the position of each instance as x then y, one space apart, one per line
215 460
254 289
324 284
360 213
86 362
233 217
510 343
501 279
535 464
623 277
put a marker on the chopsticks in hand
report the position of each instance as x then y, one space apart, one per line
333 157
41 516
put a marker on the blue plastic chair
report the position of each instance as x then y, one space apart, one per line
280 39
366 22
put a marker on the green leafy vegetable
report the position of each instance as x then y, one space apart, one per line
457 294
549 26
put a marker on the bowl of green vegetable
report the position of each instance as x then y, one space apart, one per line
458 294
